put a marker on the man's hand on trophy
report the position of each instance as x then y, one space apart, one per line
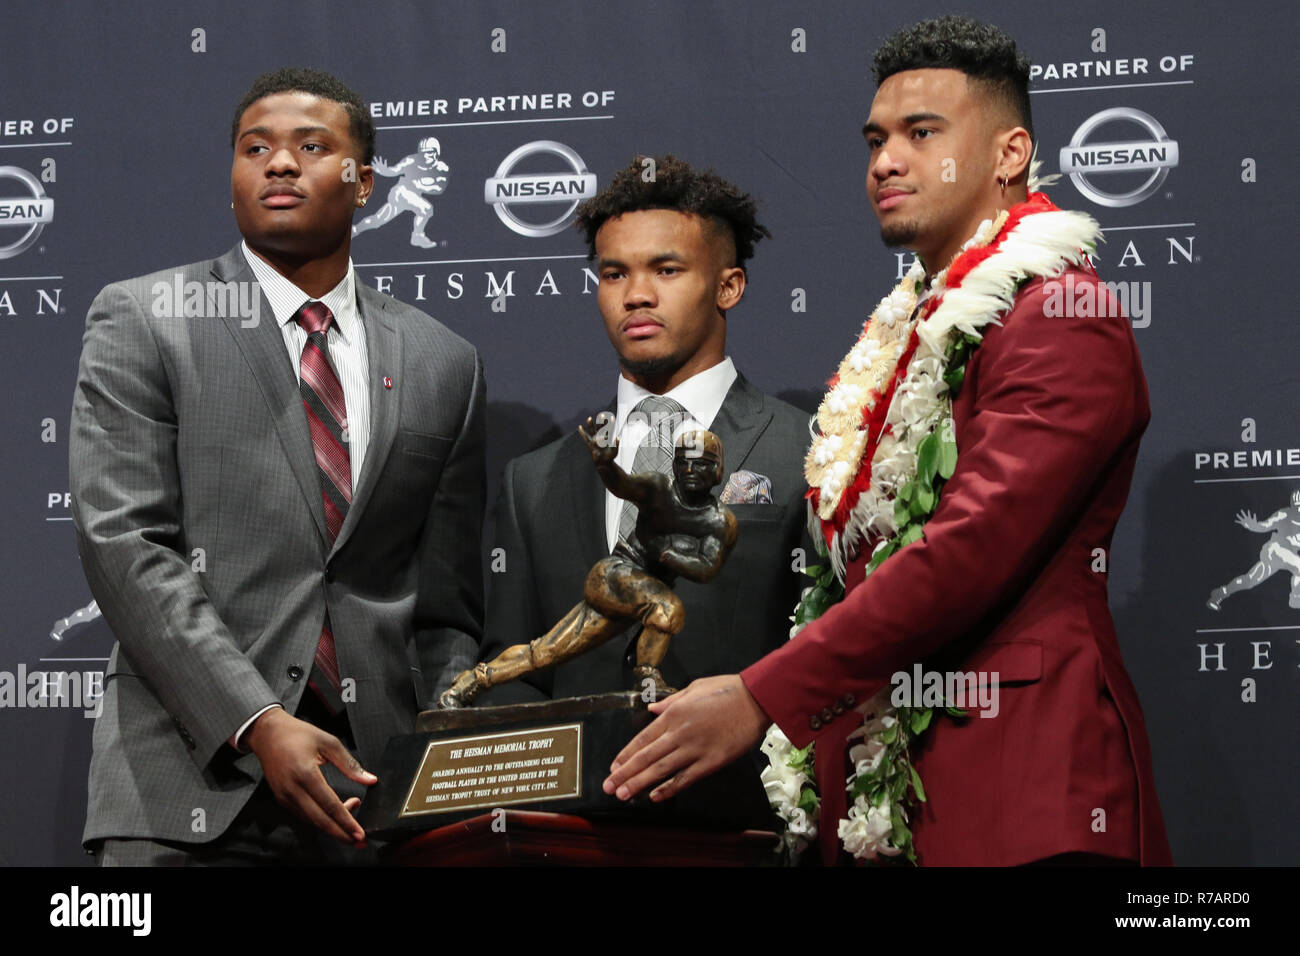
697 730
598 433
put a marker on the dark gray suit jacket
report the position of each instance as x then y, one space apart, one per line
551 524
199 519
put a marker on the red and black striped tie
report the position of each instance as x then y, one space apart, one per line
327 419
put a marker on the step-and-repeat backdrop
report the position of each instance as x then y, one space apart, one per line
1174 130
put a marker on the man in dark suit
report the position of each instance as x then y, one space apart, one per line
670 244
277 479
1003 582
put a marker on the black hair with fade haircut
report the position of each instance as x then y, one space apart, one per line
317 83
981 51
671 183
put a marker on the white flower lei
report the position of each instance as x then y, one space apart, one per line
920 405
1042 244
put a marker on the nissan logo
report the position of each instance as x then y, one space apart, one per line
31 212
1087 162
569 186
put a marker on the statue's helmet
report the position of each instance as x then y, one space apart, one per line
1295 498
699 444
430 144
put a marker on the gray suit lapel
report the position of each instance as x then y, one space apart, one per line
384 358
263 349
739 422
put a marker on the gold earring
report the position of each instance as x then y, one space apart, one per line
1003 181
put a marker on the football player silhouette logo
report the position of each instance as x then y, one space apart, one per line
423 173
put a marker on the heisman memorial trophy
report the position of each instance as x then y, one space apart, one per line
553 755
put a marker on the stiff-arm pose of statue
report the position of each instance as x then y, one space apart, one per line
1280 553
423 173
681 529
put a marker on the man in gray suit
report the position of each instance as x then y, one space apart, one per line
277 479
670 244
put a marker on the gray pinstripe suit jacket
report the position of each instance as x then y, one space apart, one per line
189 434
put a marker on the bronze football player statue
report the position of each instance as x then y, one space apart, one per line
681 529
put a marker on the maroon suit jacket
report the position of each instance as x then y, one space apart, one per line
1047 425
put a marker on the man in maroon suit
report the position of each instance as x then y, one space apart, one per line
1005 581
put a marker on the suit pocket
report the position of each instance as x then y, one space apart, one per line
423 445
1007 662
765 513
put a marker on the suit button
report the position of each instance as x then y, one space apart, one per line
295 672
329 576
849 700
827 715
838 708
814 723
184 732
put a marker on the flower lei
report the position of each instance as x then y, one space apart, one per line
875 471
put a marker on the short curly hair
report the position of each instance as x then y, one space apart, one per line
317 83
981 51
666 182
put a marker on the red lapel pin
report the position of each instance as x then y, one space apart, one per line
388 382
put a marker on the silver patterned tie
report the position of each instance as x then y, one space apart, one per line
655 453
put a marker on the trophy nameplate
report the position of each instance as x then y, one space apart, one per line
551 756
496 770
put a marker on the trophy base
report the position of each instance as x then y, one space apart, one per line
548 756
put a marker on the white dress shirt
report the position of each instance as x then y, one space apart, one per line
701 395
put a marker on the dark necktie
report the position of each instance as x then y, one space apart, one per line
327 419
655 453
